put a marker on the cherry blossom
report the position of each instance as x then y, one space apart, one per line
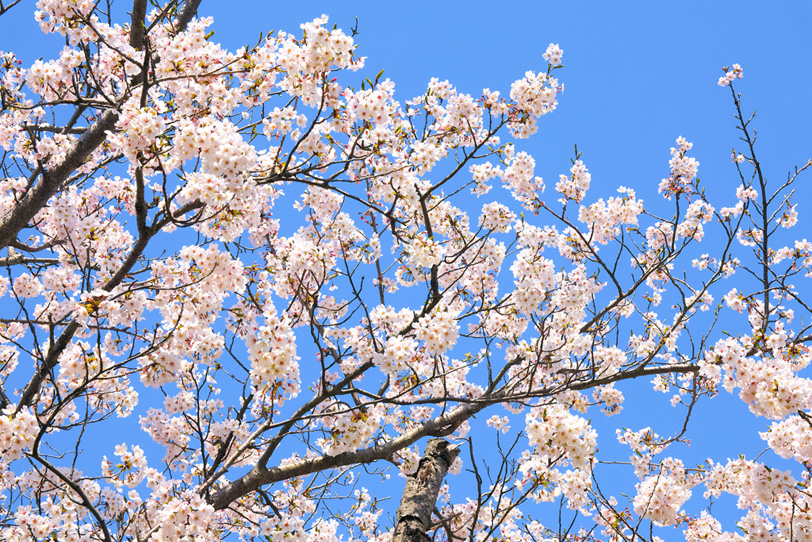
279 279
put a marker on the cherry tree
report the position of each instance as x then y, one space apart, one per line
297 289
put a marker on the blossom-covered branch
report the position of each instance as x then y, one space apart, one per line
294 280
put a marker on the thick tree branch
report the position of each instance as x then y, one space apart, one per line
260 475
52 179
420 494
137 28
187 13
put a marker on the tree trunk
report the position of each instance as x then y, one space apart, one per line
420 494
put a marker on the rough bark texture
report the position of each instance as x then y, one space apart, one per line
420 494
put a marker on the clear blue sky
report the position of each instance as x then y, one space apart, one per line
637 75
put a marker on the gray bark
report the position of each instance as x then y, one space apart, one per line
420 495
53 178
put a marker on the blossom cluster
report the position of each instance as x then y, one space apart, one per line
730 74
683 171
17 433
342 302
272 351
660 498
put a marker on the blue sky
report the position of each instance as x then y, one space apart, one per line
637 75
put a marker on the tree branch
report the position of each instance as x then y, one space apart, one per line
53 179
420 493
137 28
